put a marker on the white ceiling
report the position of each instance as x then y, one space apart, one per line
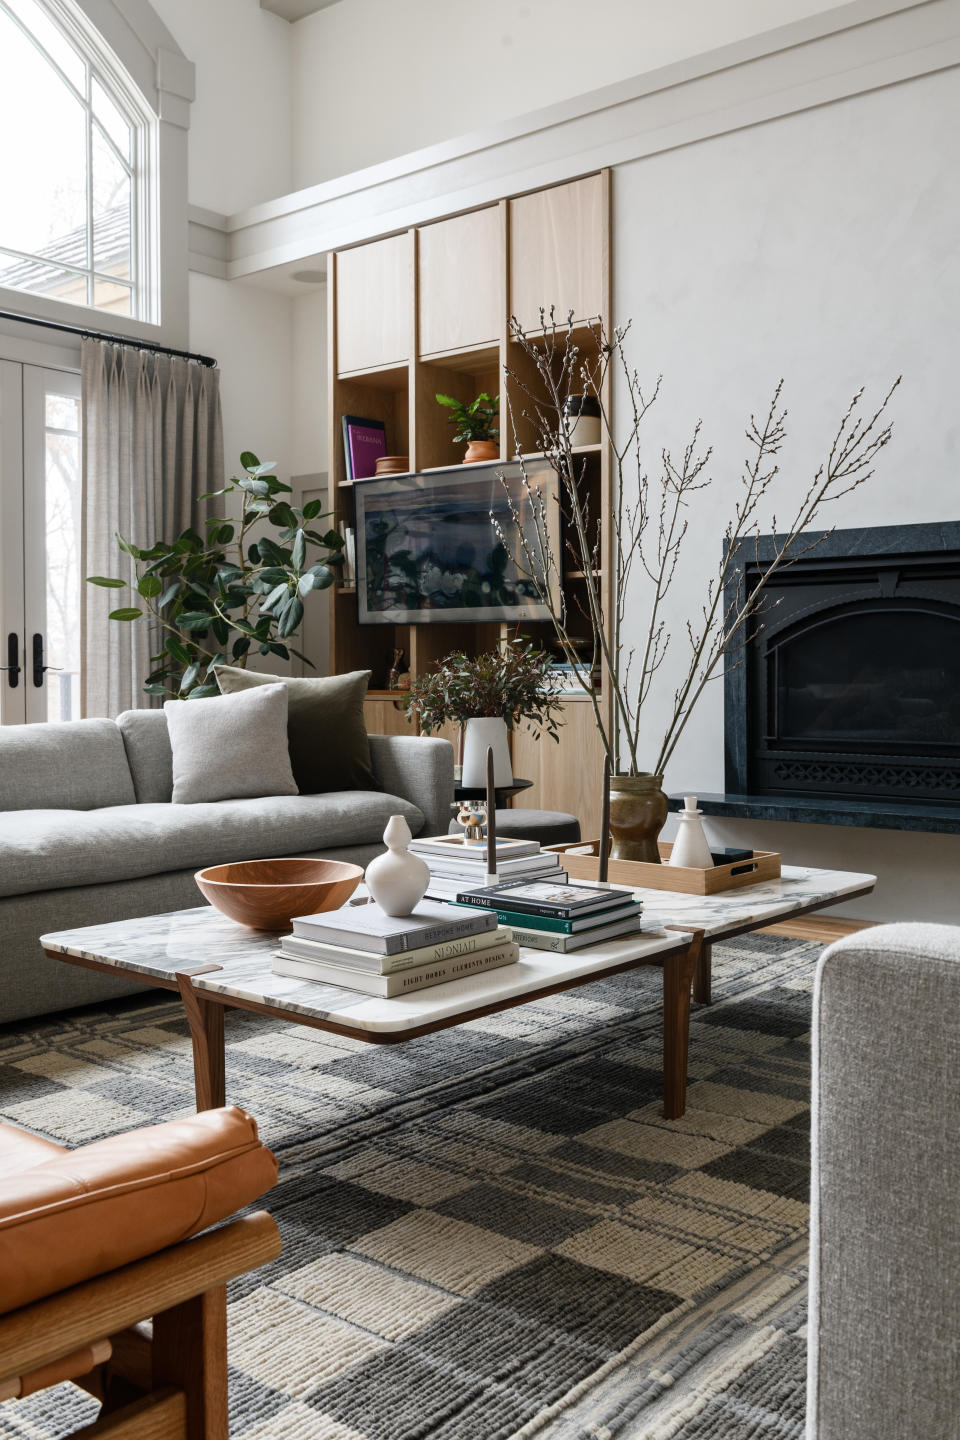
295 9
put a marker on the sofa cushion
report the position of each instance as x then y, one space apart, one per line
54 849
77 764
230 747
146 740
329 748
85 1212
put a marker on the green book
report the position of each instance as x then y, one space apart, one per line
514 918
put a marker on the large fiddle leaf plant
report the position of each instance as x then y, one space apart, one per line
237 592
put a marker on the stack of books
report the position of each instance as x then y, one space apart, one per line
548 916
360 948
455 866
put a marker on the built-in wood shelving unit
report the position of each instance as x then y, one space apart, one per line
426 311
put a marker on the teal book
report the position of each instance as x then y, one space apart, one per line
556 926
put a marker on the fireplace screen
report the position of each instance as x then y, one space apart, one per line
850 686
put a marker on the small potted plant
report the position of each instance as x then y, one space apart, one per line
487 695
477 424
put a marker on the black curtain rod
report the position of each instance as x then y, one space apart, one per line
103 335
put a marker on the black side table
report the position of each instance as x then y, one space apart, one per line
500 795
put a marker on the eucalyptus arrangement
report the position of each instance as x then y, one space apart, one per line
629 559
214 599
514 683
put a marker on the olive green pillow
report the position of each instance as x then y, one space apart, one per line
329 749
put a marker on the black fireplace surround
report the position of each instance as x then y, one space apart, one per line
844 706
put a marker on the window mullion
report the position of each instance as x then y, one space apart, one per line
91 292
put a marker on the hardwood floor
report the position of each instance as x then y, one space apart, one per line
824 928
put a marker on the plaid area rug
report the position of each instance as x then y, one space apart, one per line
491 1232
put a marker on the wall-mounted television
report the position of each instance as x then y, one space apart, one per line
429 553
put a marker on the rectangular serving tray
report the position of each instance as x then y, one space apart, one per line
640 874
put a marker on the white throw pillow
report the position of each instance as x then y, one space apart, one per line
230 747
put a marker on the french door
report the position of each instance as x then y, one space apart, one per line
40 578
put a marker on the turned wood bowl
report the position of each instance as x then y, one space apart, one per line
267 894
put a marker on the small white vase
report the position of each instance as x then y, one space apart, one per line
481 733
397 880
690 847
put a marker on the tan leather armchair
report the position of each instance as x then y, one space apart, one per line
95 1241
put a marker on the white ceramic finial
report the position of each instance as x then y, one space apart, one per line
397 880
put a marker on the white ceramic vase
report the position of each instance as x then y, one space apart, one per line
690 847
397 880
481 733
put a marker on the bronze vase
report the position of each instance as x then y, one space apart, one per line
638 812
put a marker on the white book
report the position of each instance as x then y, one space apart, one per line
444 844
475 869
366 927
401 983
563 944
304 949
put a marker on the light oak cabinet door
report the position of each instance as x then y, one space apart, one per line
567 774
461 282
374 315
557 252
387 717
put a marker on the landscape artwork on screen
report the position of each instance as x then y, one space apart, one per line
428 550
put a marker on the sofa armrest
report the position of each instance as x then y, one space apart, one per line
884 1302
418 769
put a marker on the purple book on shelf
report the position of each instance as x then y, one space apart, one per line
364 441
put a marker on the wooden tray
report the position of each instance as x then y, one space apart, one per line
765 865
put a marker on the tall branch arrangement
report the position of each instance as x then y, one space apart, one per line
628 640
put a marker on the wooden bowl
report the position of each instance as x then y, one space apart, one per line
393 464
267 894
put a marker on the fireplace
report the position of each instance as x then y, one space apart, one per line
848 691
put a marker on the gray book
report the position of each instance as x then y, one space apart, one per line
366 927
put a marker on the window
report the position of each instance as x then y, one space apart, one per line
73 164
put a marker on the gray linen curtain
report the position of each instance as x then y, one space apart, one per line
152 443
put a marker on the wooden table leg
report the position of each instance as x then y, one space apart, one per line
206 1031
678 972
703 973
190 1352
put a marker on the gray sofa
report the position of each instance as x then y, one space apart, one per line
884 1334
88 834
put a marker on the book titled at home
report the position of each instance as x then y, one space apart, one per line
563 902
402 982
589 920
366 927
364 441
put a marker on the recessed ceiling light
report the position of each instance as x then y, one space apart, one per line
309 277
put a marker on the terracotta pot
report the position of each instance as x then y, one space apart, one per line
638 812
480 450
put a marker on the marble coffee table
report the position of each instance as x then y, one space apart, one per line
214 963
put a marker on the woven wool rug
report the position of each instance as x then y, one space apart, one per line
492 1232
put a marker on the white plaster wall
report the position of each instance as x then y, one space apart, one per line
309 439
821 247
373 79
240 140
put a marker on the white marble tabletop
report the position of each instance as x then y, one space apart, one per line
160 945
799 888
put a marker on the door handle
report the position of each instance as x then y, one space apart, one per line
38 665
12 666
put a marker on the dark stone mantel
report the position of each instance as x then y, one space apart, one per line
820 810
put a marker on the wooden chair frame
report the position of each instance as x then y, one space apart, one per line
170 1384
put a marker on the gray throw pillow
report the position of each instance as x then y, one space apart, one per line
230 747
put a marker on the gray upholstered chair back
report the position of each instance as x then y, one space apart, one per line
884 1357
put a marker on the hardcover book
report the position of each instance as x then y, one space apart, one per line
364 441
522 920
561 944
366 927
452 845
545 897
403 981
303 949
